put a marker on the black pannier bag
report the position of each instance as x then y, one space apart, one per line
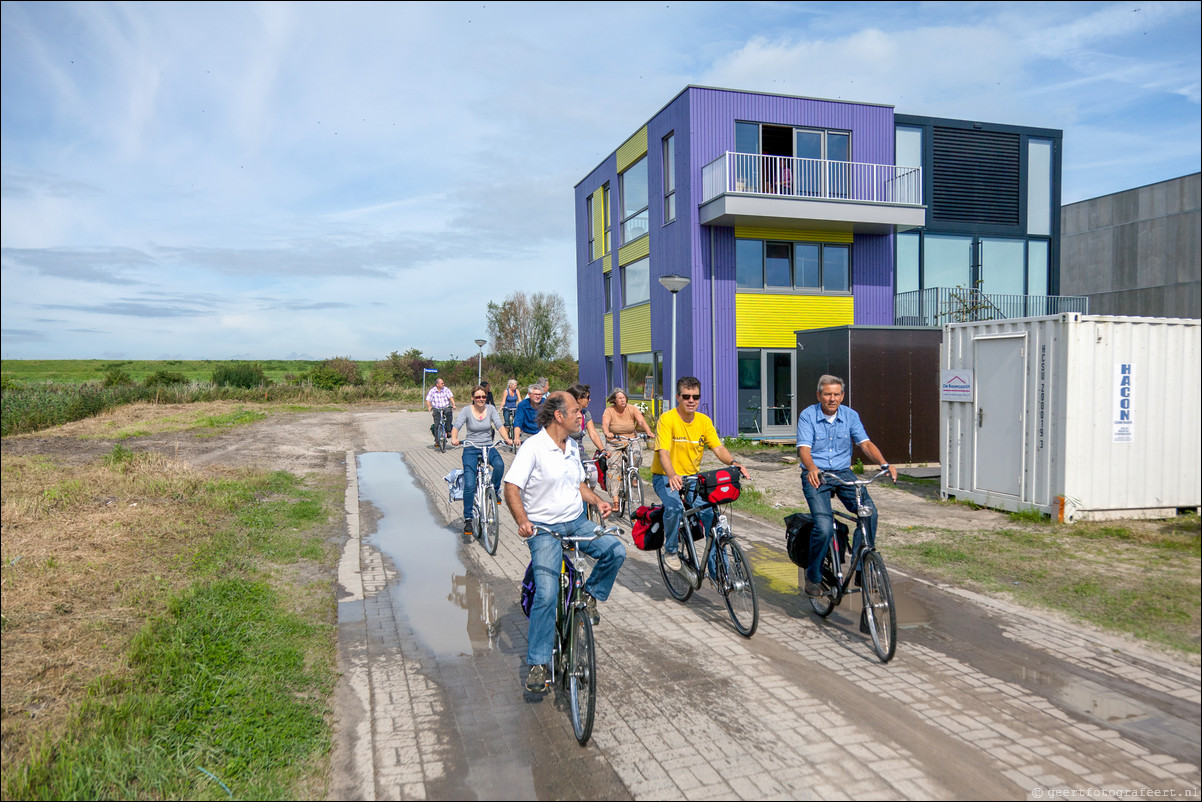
798 529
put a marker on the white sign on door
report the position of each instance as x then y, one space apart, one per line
955 385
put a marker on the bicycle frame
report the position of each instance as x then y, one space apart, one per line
860 535
711 540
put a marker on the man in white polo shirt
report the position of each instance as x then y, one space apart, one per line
546 486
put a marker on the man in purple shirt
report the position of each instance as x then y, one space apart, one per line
826 433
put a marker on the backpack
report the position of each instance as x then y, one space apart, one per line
648 528
526 596
799 527
720 486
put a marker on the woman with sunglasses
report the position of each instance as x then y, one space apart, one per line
478 421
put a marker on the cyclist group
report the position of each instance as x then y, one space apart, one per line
547 491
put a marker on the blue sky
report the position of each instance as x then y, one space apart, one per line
292 180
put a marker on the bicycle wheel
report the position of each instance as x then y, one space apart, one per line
636 489
878 603
679 587
489 521
582 677
739 588
441 436
825 605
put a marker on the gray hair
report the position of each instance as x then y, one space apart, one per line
534 387
829 379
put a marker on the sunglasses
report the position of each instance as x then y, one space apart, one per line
690 396
479 398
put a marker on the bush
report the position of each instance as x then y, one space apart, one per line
339 371
117 377
240 374
164 378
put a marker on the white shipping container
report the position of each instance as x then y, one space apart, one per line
1083 417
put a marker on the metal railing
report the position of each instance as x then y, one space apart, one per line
820 179
937 306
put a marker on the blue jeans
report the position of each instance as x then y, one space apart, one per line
819 499
471 458
674 511
547 556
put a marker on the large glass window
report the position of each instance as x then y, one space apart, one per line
947 261
609 240
749 391
749 263
1039 186
636 282
747 138
588 217
778 267
634 201
609 301
808 258
669 178
908 146
1002 266
642 381
1037 267
836 268
907 262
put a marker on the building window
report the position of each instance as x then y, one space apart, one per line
1039 186
792 265
588 218
633 184
609 301
995 265
908 146
669 178
907 279
636 282
606 212
642 380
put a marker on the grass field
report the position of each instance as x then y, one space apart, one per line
78 371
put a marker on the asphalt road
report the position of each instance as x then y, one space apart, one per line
983 700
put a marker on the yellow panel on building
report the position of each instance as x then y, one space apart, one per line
608 264
634 251
763 320
599 223
609 333
636 329
839 237
632 150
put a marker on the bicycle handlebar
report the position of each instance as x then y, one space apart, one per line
598 532
836 479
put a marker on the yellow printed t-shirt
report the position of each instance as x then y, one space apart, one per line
685 443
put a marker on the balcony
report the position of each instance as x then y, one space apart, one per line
936 306
749 189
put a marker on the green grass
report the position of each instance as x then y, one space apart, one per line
79 371
228 687
1138 581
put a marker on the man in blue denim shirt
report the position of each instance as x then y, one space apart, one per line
826 433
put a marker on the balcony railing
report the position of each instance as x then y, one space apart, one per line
937 306
813 179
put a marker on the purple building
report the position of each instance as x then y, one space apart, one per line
781 213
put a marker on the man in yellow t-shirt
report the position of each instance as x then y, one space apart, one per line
681 437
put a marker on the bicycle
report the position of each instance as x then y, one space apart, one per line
573 657
629 492
507 416
879 616
731 573
590 478
442 423
486 504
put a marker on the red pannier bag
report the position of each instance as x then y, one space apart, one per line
648 529
720 486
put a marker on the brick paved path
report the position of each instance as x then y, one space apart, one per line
983 700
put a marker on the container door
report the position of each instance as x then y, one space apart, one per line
1000 376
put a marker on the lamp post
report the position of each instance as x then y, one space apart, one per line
673 284
480 360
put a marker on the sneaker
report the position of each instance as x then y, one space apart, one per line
590 604
672 560
814 589
467 526
536 680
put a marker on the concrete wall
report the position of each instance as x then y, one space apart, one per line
1136 252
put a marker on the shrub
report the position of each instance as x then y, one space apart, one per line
240 374
164 378
117 377
339 371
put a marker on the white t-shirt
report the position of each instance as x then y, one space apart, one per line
549 479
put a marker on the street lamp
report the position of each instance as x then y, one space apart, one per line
673 284
480 361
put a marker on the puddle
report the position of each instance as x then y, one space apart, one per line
432 579
483 612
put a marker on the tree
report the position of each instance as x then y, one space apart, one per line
534 327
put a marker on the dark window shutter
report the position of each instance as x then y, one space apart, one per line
976 176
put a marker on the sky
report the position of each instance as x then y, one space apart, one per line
308 180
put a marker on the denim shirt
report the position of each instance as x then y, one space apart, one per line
830 443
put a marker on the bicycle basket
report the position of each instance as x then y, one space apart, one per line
648 528
720 486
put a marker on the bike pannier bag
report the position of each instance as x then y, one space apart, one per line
799 528
602 469
648 529
720 486
526 598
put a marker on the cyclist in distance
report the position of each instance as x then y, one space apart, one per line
478 420
682 435
525 421
545 486
621 418
509 402
440 398
826 433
